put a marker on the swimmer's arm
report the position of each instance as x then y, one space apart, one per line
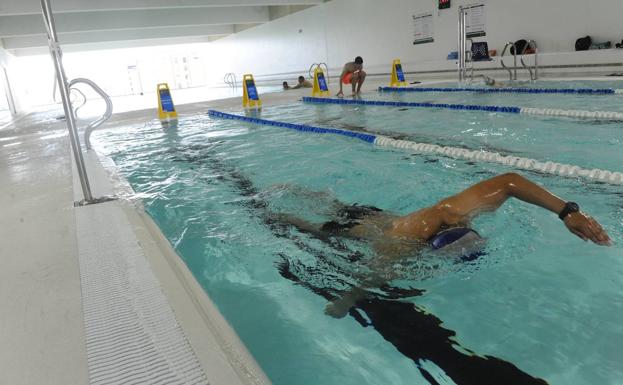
490 194
296 87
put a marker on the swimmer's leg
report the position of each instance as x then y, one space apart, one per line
299 223
360 79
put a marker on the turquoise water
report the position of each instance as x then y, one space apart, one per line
541 304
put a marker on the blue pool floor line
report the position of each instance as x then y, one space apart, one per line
510 90
550 168
580 114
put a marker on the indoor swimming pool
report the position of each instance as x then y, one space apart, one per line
540 307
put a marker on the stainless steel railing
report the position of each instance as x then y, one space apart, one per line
73 92
312 68
462 46
512 72
230 80
97 122
64 88
534 74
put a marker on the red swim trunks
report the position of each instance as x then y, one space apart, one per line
346 78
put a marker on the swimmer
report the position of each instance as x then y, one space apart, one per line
391 235
302 83
354 75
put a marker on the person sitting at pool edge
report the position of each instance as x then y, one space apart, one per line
391 235
354 75
302 84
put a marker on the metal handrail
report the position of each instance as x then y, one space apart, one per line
510 74
230 80
462 36
105 116
84 98
56 52
312 68
531 43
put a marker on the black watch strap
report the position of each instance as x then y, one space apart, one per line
570 207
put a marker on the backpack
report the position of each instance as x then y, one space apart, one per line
583 43
520 45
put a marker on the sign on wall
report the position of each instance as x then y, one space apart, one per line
423 28
475 20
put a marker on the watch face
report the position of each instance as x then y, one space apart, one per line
573 207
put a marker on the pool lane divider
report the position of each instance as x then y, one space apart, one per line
580 114
298 127
551 168
508 90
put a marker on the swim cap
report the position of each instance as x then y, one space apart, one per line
461 241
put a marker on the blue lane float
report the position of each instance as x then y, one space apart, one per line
507 90
298 127
551 168
578 114
469 107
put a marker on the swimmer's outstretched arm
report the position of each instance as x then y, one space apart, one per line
490 194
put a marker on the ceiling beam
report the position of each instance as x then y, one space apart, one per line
12 26
22 7
113 45
64 39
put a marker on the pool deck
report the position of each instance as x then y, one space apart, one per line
49 291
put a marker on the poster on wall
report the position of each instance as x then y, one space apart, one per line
423 28
475 20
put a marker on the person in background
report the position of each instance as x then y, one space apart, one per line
354 75
301 84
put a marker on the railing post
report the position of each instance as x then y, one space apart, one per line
55 51
461 44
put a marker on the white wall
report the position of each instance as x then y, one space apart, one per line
337 31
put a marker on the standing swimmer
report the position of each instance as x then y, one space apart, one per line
354 75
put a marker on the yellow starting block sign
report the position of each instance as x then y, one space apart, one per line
320 83
398 76
166 108
250 97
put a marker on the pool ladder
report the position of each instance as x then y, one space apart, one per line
82 101
230 80
322 66
512 71
64 87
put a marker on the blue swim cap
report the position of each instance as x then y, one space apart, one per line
465 241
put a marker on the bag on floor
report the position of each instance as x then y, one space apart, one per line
583 43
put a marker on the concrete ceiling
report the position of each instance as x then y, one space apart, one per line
93 24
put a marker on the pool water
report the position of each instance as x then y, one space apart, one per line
541 307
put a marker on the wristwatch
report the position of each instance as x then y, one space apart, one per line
570 207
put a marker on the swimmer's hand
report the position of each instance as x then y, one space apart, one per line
341 306
587 228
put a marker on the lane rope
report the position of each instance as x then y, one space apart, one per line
579 114
509 90
551 168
